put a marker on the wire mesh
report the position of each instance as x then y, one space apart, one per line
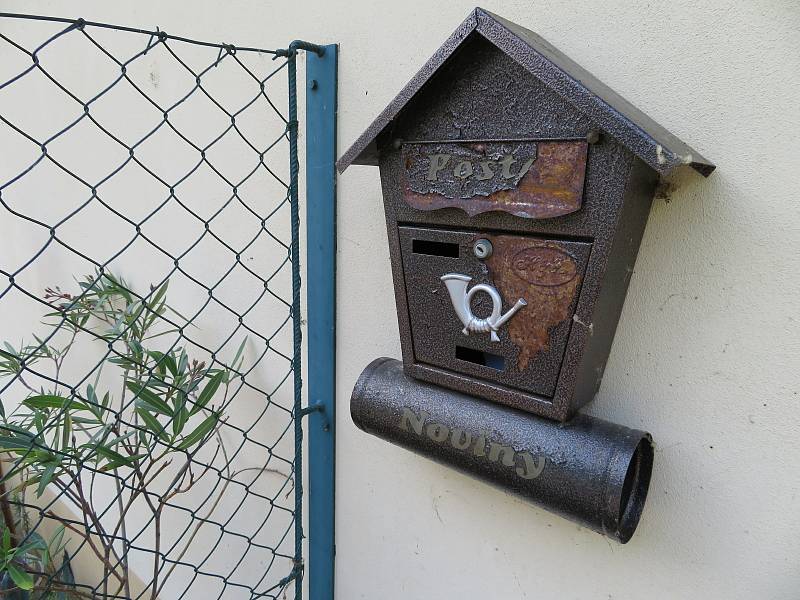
149 372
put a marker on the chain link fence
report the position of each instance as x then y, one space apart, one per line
149 301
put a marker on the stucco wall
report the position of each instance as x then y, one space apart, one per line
706 355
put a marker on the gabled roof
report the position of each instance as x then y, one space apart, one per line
614 115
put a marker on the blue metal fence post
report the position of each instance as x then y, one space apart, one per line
320 134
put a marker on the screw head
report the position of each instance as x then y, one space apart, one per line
313 84
482 249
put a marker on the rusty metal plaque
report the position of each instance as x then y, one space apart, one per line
547 274
529 178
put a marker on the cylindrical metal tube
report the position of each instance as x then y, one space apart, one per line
588 470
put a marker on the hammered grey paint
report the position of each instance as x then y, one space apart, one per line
591 471
562 76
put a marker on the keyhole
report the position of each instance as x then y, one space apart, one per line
482 249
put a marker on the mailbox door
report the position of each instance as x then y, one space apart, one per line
545 274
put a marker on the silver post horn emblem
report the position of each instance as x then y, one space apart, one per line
461 298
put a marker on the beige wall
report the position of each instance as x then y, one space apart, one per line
706 355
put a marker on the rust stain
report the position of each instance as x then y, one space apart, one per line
544 266
546 276
552 187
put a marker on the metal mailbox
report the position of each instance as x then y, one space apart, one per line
516 188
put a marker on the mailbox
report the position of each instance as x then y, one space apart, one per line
516 188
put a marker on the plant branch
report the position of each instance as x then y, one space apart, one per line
8 517
86 535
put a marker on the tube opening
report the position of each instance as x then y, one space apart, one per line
634 489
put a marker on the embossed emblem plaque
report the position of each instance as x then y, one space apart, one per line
526 178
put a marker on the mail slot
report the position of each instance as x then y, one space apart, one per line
516 190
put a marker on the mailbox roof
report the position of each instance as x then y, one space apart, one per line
647 139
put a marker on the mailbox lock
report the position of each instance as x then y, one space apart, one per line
482 249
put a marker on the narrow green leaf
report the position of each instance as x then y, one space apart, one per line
239 353
121 361
149 398
43 456
136 346
91 394
51 401
152 423
183 362
35 542
22 579
39 420
160 363
18 430
198 434
113 442
45 558
65 574
114 458
156 306
84 421
97 437
158 385
159 294
55 541
11 444
131 460
118 287
169 360
155 335
43 347
56 434
93 403
66 432
46 478
208 392
175 312
12 364
179 421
